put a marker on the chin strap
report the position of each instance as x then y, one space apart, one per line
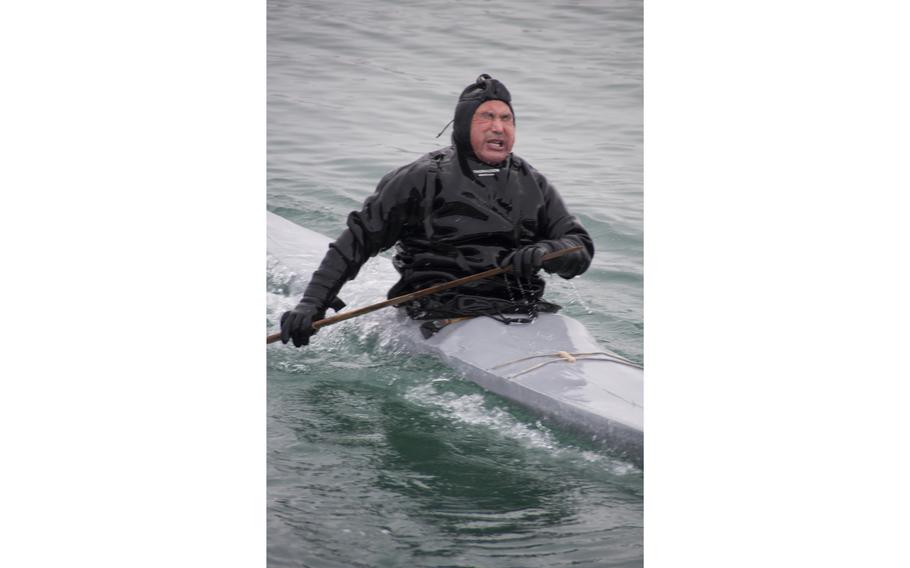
445 127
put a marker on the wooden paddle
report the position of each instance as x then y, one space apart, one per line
420 294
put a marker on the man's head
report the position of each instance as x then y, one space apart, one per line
484 121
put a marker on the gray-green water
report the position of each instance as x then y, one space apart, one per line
381 458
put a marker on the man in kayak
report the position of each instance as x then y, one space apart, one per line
454 212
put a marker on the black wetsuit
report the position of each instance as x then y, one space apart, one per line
452 216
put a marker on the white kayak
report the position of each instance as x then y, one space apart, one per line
552 365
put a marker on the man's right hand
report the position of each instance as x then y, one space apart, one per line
297 324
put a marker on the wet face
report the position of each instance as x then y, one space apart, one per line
493 132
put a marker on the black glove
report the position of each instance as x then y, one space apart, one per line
321 293
527 260
297 324
568 265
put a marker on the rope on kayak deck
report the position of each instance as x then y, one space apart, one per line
564 356
569 358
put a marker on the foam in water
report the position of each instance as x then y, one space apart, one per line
472 409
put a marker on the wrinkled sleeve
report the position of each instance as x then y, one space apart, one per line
556 222
385 215
376 227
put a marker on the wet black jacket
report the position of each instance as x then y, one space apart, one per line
450 216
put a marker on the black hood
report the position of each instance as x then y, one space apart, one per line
484 89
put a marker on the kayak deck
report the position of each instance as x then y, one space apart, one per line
587 388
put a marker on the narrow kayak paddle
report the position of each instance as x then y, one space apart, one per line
420 293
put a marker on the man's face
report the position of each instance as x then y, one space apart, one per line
492 131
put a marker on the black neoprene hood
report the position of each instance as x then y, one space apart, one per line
484 89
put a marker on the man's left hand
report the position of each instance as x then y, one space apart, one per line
526 261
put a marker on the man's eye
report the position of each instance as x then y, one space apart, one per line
489 117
